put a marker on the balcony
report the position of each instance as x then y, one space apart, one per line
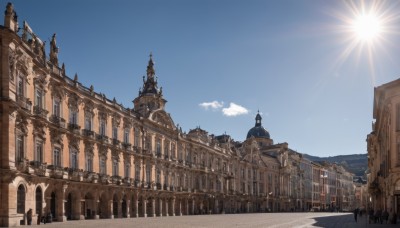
24 103
126 146
74 127
60 122
116 142
102 138
40 112
88 133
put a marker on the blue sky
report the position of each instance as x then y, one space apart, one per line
287 59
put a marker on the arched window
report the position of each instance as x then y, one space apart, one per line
21 199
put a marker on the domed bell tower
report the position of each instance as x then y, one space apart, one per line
150 96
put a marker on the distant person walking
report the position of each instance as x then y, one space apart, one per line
355 214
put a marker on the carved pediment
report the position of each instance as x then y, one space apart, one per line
21 123
162 118
74 100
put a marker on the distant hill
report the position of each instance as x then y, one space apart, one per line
355 163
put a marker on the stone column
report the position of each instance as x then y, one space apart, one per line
60 201
136 205
173 207
166 207
144 208
160 207
111 209
180 207
153 207
193 206
97 216
128 211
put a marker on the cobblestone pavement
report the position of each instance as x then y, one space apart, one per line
273 220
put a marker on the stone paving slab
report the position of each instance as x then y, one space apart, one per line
273 220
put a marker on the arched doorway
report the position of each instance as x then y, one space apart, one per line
68 207
39 201
124 205
102 206
115 206
89 207
53 205
21 199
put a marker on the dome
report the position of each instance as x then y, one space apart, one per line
258 131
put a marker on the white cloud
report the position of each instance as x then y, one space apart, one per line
234 110
214 105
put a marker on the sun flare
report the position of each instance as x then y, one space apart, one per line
367 27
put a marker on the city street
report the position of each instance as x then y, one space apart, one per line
276 220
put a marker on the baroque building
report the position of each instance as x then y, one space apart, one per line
384 148
69 151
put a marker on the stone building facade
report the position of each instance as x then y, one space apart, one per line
69 151
384 148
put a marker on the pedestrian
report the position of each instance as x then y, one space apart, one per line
29 216
355 214
39 217
385 216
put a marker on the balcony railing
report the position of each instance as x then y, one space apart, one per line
57 121
88 133
39 111
102 138
24 103
74 127
126 146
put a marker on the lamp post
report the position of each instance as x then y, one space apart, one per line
268 195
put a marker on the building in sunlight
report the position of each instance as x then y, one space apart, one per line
72 153
384 148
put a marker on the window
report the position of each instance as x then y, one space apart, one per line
57 107
21 199
21 87
89 162
126 135
19 155
88 121
39 98
136 141
102 130
158 147
102 165
115 132
39 151
127 170
73 116
158 178
172 151
57 157
148 173
115 167
137 172
74 158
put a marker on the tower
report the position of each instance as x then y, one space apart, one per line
150 96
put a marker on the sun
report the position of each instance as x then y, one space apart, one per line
367 27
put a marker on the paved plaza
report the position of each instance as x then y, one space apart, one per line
274 220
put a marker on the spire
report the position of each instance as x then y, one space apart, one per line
150 67
258 119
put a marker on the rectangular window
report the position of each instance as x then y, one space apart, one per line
88 121
126 135
57 157
127 170
137 172
158 148
73 116
102 127
39 98
39 151
19 155
115 132
20 87
74 159
136 142
148 173
89 163
102 165
115 167
57 107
